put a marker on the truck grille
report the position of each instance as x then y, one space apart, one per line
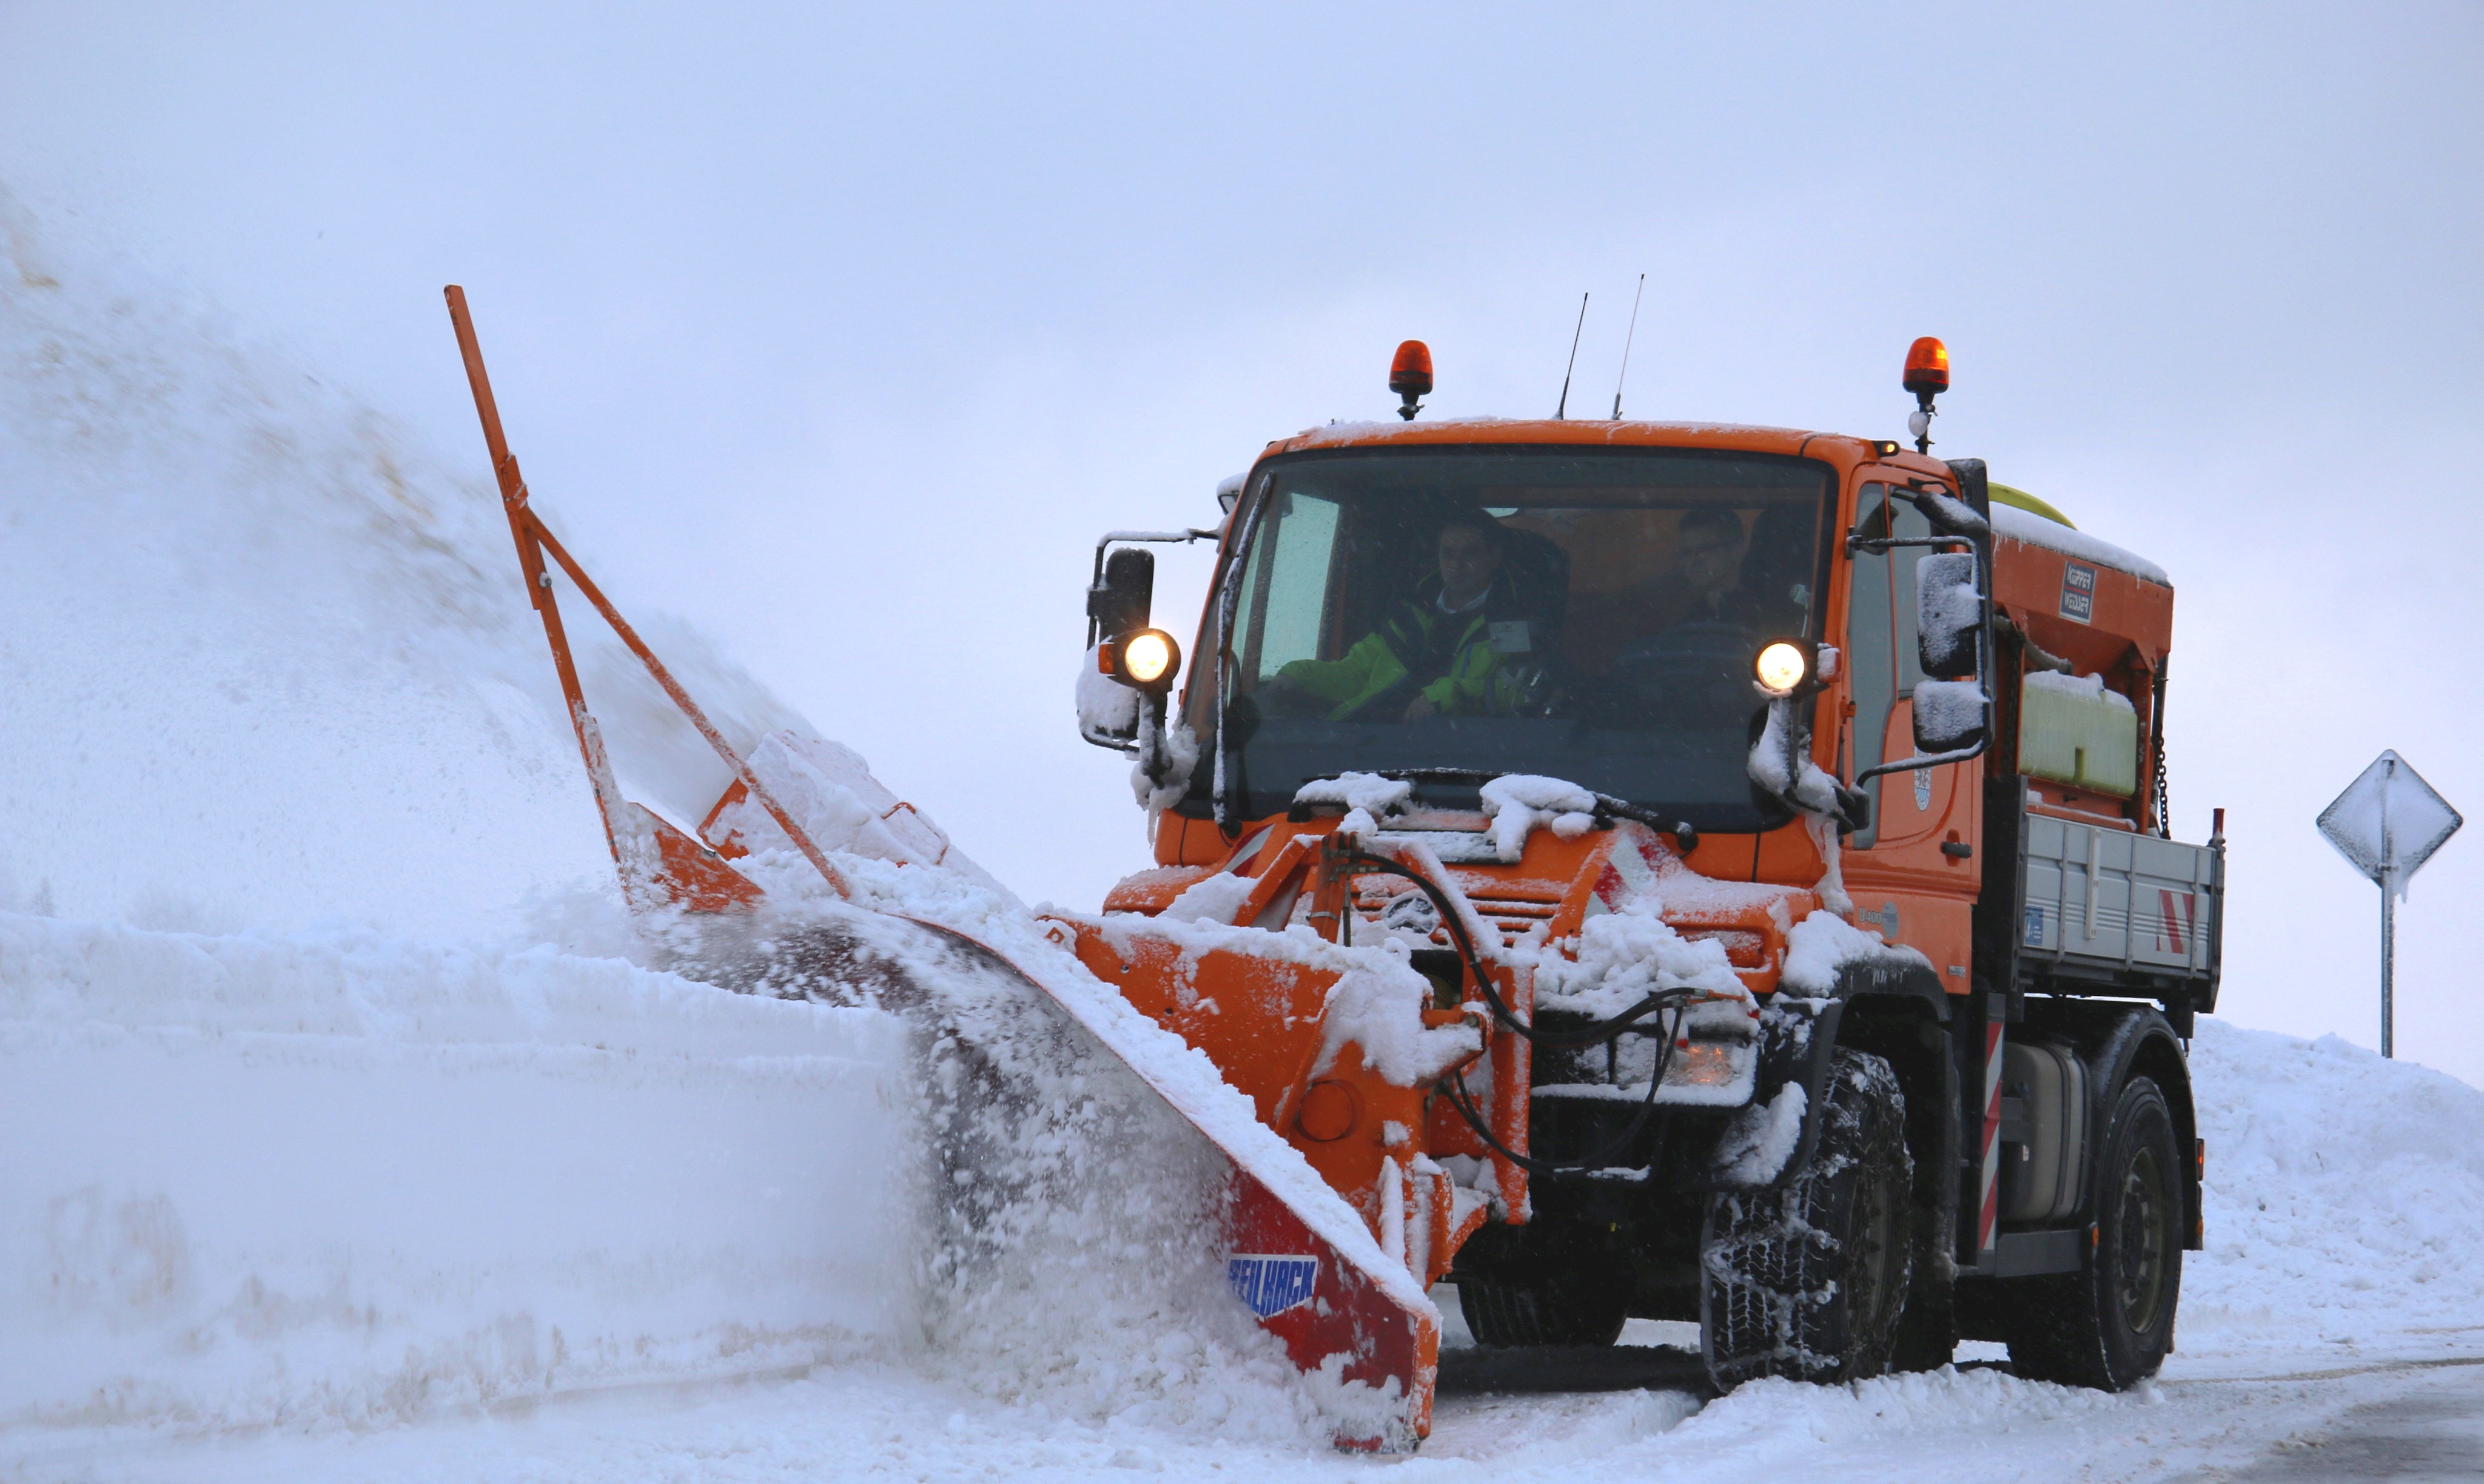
1400 906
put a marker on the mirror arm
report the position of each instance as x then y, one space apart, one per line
1877 544
1928 759
1105 542
1150 750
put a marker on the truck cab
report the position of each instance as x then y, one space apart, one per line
1855 755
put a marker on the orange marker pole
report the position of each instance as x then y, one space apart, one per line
689 707
521 529
533 538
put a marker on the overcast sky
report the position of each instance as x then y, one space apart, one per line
844 331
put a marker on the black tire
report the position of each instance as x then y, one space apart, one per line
1553 1309
1807 1281
2112 1326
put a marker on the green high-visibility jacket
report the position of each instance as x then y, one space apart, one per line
1447 657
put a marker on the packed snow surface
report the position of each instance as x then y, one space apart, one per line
331 1178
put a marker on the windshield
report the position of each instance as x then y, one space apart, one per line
1586 613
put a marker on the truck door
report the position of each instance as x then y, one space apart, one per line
1880 633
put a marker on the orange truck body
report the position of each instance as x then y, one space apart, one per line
1925 881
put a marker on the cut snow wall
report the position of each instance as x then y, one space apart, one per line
269 659
309 1180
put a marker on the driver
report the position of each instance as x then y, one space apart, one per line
1705 569
1433 655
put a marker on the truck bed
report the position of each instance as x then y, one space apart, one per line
2075 909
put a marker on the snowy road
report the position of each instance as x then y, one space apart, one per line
2416 1411
2420 1432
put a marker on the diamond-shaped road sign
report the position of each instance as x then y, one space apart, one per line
2387 823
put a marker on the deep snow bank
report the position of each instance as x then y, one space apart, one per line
319 1180
268 657
2345 1195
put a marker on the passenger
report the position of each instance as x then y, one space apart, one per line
1704 568
1699 585
1694 669
1436 654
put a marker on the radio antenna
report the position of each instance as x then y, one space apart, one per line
1626 347
1563 410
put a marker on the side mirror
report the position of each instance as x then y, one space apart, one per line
1949 715
1950 703
1120 602
1949 615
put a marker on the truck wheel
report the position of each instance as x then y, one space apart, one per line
1542 1311
2111 1326
1807 1281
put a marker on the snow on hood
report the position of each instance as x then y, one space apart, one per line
1626 955
1370 793
1516 803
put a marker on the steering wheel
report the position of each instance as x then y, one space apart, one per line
1695 674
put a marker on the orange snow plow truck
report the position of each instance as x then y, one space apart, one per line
1659 869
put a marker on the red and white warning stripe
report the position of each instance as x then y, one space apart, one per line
1987 1230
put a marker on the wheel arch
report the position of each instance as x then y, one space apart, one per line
2119 1043
1877 1006
2142 1044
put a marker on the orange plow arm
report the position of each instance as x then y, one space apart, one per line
1311 1268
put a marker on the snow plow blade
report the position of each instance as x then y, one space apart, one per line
1296 1254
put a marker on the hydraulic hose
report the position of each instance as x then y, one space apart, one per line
1595 1034
1599 1033
1454 1087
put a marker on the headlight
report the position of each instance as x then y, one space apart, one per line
1148 660
1780 667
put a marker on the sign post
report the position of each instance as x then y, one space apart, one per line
2387 825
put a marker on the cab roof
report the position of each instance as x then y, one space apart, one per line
1838 449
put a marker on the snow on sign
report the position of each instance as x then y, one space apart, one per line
2388 822
2387 825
